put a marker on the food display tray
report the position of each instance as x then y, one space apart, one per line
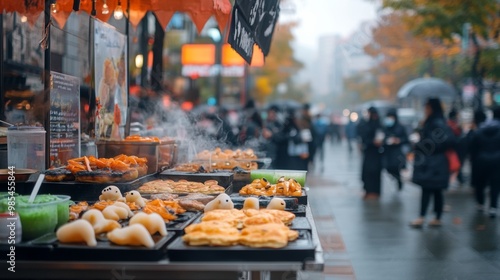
224 178
288 199
90 191
299 250
48 247
292 203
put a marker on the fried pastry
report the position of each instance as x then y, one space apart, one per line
212 233
233 217
267 235
285 216
262 218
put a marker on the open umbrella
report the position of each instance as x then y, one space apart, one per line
423 88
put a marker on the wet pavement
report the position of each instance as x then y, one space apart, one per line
371 240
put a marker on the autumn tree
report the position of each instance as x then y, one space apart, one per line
404 56
445 19
280 65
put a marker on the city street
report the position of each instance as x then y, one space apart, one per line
371 240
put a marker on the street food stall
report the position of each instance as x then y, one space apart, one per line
133 210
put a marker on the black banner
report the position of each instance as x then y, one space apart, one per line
241 36
260 17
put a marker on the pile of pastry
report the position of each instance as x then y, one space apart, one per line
228 159
222 225
181 186
284 187
121 168
105 217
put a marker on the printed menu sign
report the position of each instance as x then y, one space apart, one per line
64 118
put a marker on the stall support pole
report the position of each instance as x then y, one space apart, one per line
46 82
127 34
2 78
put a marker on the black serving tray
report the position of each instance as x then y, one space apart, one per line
300 211
48 247
301 223
90 191
299 250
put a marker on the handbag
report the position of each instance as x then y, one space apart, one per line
453 160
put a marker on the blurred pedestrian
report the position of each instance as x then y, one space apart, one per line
454 124
485 150
274 136
371 135
395 137
251 126
299 138
478 119
350 131
305 123
431 167
320 125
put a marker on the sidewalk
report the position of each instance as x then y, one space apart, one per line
368 240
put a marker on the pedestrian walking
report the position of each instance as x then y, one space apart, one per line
394 160
371 135
478 119
350 132
485 150
320 125
431 167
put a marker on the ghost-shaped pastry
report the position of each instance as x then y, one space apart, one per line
115 213
99 222
133 235
153 222
277 203
135 196
222 201
125 206
111 193
251 203
77 232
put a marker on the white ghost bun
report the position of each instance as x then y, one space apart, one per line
125 206
77 232
251 203
277 203
133 235
98 222
152 222
115 213
135 196
222 201
111 193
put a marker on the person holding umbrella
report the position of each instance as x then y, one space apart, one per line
431 167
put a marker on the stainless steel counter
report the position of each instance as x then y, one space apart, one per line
164 269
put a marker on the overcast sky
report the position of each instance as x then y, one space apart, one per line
326 17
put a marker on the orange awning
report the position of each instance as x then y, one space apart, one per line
199 10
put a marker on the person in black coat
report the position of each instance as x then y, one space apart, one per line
431 168
478 119
371 135
485 151
395 137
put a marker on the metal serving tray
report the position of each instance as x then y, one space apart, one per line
301 249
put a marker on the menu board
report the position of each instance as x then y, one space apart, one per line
64 118
110 70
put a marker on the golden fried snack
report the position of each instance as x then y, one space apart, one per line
76 209
285 216
262 218
212 233
267 235
234 217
